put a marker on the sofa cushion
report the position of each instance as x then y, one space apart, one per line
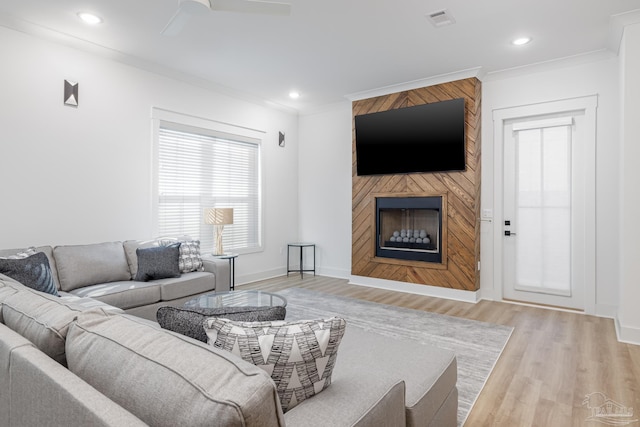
166 379
190 322
41 318
158 263
429 372
299 356
190 257
187 284
32 271
83 265
124 295
130 248
5 291
359 398
37 391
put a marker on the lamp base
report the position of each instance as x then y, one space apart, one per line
217 249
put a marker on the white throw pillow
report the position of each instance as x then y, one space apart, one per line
190 258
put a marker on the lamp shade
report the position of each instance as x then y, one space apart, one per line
218 216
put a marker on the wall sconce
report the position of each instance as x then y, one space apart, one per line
70 93
218 217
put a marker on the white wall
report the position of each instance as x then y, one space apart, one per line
569 80
628 321
83 175
325 187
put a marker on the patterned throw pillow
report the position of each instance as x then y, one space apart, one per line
22 254
159 262
33 271
299 356
190 258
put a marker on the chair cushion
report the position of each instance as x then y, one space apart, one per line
299 356
83 265
190 322
167 379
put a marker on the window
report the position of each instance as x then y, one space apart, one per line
199 168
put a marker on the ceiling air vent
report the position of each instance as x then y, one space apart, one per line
441 18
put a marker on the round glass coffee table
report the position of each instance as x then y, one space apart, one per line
248 298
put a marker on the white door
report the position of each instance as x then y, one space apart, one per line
545 200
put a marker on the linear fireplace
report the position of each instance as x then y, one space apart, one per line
409 228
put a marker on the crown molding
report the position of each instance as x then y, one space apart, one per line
417 84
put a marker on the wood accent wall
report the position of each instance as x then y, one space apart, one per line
461 190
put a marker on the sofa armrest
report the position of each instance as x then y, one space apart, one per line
221 269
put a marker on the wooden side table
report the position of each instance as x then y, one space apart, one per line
301 268
232 268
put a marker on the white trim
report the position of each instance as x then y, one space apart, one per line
616 27
627 334
411 288
588 104
415 84
547 123
203 123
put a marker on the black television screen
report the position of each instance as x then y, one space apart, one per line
423 138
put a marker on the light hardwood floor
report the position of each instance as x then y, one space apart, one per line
551 362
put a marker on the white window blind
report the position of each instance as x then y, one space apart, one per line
198 169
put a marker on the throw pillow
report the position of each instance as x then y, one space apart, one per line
190 322
32 271
299 356
22 254
158 263
190 258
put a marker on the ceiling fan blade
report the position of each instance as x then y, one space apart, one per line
252 6
186 10
176 23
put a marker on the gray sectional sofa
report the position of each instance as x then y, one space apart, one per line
77 361
105 272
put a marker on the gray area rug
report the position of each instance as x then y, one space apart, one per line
477 345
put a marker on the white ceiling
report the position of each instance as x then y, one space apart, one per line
326 49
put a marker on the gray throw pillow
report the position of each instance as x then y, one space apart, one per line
190 322
158 262
33 271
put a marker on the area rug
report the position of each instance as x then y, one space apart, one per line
477 345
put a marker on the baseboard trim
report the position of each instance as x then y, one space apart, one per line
627 334
412 288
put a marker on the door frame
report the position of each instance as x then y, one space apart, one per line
589 105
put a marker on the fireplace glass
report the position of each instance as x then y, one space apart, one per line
409 228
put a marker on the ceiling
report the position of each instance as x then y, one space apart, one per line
326 49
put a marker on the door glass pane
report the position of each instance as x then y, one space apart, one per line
543 210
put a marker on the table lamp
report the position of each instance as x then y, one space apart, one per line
218 217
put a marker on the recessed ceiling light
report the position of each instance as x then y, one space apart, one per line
90 18
521 40
294 95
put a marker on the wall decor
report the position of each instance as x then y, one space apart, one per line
281 139
71 93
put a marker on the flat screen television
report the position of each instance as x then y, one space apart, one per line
423 138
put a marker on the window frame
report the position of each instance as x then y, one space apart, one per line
213 128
